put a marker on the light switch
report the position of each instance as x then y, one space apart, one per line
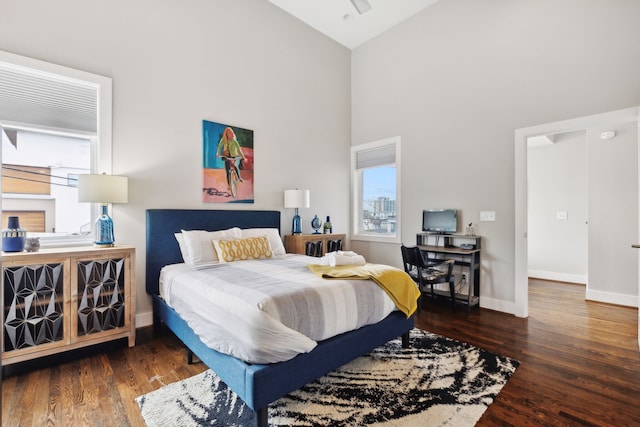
487 215
562 215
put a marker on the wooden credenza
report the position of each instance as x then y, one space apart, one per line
62 299
296 243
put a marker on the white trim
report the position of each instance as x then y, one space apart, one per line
520 140
558 277
639 236
612 298
497 305
144 319
356 195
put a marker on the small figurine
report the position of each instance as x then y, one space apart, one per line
470 230
32 244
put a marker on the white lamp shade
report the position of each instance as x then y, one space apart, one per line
103 188
297 199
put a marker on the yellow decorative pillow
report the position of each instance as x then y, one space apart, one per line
243 249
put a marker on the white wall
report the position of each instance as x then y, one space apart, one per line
557 182
173 64
456 81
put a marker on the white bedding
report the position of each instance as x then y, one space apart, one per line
265 311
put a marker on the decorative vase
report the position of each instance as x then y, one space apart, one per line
328 227
316 224
13 236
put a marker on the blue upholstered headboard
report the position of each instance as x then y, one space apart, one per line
162 224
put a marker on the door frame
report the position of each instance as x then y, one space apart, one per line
521 283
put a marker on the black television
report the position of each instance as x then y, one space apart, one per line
441 221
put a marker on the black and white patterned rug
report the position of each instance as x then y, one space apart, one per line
436 382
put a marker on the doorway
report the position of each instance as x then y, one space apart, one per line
521 192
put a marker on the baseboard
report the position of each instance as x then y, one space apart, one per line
590 295
144 319
557 277
612 298
497 305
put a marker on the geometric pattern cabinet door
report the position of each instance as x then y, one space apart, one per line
62 299
100 295
33 305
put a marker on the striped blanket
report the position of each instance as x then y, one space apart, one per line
265 311
397 284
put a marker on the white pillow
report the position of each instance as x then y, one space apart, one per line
198 244
183 247
273 234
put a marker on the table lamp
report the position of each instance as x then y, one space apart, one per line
296 199
103 189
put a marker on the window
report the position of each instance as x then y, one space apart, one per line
376 190
55 123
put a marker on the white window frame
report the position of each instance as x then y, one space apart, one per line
101 158
357 192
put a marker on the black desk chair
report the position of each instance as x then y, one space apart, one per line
428 275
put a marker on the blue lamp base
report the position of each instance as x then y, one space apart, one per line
104 230
296 226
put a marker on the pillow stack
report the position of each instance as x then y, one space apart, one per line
233 244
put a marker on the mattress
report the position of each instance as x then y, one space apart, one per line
270 310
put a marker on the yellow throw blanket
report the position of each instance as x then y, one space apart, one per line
396 283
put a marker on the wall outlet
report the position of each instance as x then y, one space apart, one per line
562 215
487 215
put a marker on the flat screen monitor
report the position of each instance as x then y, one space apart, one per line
444 221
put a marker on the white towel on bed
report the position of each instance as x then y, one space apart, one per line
342 258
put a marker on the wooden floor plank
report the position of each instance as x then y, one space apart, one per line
579 360
580 365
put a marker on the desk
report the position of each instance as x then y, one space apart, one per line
469 258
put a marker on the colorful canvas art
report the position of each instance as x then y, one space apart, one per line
227 171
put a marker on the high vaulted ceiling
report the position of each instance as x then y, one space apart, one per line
340 20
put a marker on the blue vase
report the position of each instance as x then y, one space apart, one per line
13 236
104 229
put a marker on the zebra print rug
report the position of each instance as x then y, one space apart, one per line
437 382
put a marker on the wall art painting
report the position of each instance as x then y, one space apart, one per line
227 169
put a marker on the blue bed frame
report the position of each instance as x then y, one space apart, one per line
256 384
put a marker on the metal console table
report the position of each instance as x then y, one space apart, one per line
439 246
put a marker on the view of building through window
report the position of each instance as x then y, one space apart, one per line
39 181
379 199
51 132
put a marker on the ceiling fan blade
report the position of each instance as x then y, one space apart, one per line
361 6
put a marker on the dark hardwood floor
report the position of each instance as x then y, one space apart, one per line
580 365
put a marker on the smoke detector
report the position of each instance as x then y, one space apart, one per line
609 134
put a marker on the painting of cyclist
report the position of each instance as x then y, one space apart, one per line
227 152
229 149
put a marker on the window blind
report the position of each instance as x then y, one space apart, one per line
379 156
37 98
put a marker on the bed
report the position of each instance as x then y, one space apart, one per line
256 384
